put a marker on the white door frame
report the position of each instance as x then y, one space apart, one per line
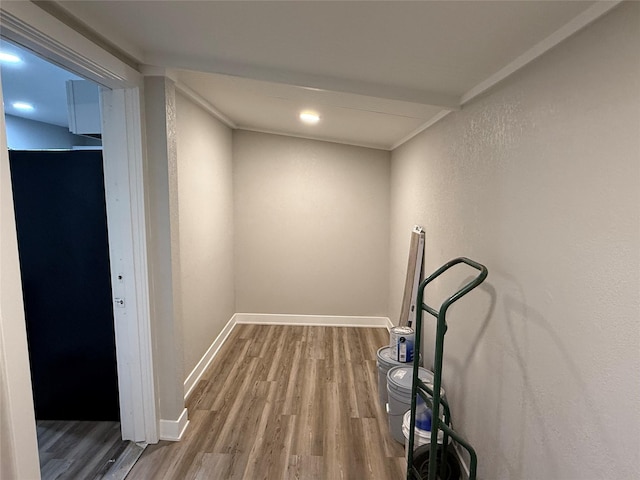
31 27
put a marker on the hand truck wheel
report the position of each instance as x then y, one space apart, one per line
421 459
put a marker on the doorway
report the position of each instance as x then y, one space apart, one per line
64 260
28 26
123 169
61 225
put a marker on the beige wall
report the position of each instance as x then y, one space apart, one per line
164 245
206 228
312 226
18 447
539 180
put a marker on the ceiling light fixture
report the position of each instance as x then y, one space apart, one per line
24 106
309 117
9 58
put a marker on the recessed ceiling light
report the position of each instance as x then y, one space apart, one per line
9 58
24 106
309 117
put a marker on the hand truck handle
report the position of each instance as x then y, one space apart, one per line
460 293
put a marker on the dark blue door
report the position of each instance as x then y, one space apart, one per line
64 260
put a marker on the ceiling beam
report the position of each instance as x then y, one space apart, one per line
305 80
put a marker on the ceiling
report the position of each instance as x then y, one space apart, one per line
377 72
35 81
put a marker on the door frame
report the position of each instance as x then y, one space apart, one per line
18 442
124 159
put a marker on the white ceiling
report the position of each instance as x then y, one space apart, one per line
274 107
376 71
35 81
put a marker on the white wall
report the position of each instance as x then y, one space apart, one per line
312 226
25 134
539 180
205 194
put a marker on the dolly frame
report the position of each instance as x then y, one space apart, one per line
432 395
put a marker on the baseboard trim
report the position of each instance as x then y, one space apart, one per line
312 320
173 430
195 375
462 458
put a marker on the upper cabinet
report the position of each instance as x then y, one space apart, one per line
83 102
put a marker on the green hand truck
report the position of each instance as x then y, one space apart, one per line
420 465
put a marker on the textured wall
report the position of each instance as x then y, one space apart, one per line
206 228
539 180
312 226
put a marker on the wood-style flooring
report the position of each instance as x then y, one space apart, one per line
79 450
284 402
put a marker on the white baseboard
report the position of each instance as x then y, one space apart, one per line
463 459
173 430
312 320
195 375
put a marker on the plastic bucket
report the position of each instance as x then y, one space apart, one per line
399 381
421 437
385 362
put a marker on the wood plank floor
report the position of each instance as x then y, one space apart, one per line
284 402
78 450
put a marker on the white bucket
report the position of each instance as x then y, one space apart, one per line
385 362
399 380
421 437
402 341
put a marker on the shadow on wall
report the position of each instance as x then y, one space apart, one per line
460 368
491 291
518 315
517 384
508 365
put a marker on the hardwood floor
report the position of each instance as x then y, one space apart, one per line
285 402
83 450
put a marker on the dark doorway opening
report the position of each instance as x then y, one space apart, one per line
64 259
